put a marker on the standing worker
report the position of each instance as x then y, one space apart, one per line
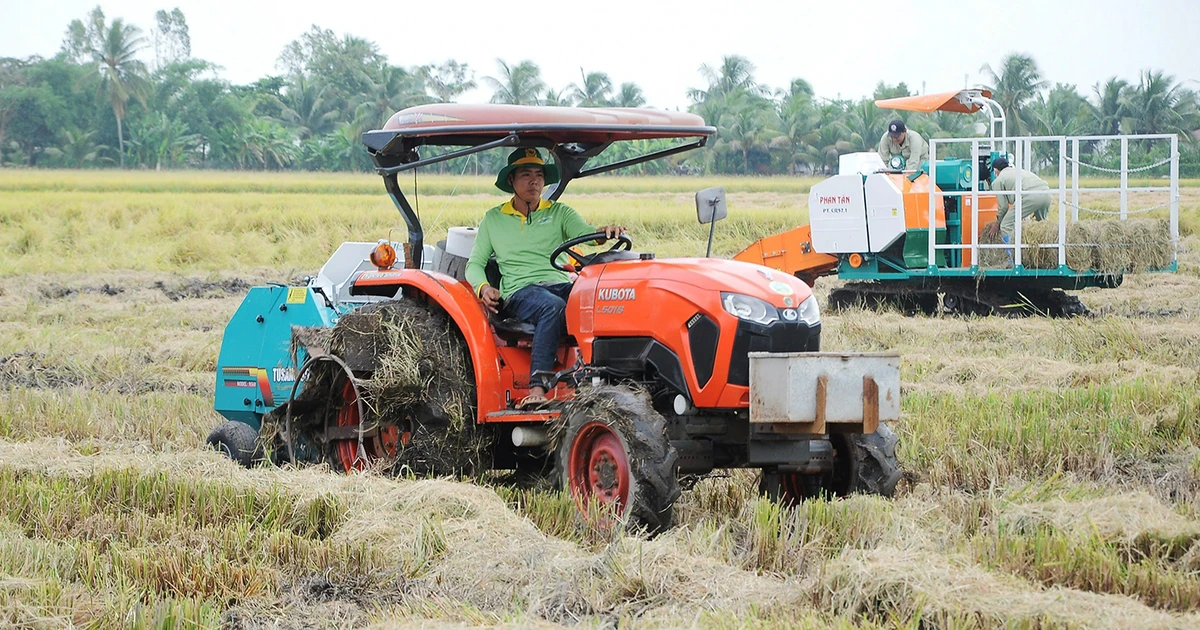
1036 204
907 144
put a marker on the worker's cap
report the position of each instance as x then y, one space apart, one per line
896 128
999 164
525 157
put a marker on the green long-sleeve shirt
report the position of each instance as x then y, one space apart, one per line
523 245
914 149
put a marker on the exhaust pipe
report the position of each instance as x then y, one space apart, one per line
530 436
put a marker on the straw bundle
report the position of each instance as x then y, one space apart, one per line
991 258
1081 244
1109 246
1034 235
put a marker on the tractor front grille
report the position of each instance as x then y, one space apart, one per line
778 337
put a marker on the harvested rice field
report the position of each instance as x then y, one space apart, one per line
1052 467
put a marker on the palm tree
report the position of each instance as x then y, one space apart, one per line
447 81
391 89
1062 112
122 77
796 120
557 98
518 85
305 107
1110 105
1159 105
594 90
866 123
744 128
1017 83
629 95
78 148
735 74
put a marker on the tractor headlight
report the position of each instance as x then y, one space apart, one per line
749 308
809 312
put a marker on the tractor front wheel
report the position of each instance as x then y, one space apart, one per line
614 455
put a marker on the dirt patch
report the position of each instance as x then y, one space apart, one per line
192 288
29 369
32 370
315 601
57 291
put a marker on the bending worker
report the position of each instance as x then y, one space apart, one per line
522 233
1034 205
907 144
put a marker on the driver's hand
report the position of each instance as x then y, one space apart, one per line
610 231
490 296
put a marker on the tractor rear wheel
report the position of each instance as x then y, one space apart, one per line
863 464
424 411
378 445
614 455
237 440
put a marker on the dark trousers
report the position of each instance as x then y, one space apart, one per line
544 306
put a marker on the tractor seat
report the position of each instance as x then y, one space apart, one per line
510 327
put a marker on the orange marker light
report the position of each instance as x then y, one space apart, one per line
383 256
856 260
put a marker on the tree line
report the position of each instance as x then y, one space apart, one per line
98 103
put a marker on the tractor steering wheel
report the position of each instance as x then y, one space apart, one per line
568 247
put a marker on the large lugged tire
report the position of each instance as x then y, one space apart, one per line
863 464
866 464
614 451
237 440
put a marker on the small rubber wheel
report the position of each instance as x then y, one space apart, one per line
237 440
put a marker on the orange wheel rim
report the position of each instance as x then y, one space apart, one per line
598 468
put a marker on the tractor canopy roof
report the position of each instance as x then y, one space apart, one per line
459 124
574 135
966 101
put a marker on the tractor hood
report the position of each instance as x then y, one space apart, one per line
780 289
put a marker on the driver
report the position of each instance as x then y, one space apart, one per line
522 233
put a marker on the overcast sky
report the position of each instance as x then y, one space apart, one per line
842 48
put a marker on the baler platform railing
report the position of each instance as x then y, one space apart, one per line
1023 156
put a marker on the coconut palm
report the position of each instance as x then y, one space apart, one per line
734 75
447 81
78 148
1016 84
304 106
629 95
745 128
391 89
796 121
594 91
1159 105
866 123
1062 112
113 50
520 84
1110 105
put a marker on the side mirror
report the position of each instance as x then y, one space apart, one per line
710 205
710 208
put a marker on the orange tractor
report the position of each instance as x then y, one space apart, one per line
670 367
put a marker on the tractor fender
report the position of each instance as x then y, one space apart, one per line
459 302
